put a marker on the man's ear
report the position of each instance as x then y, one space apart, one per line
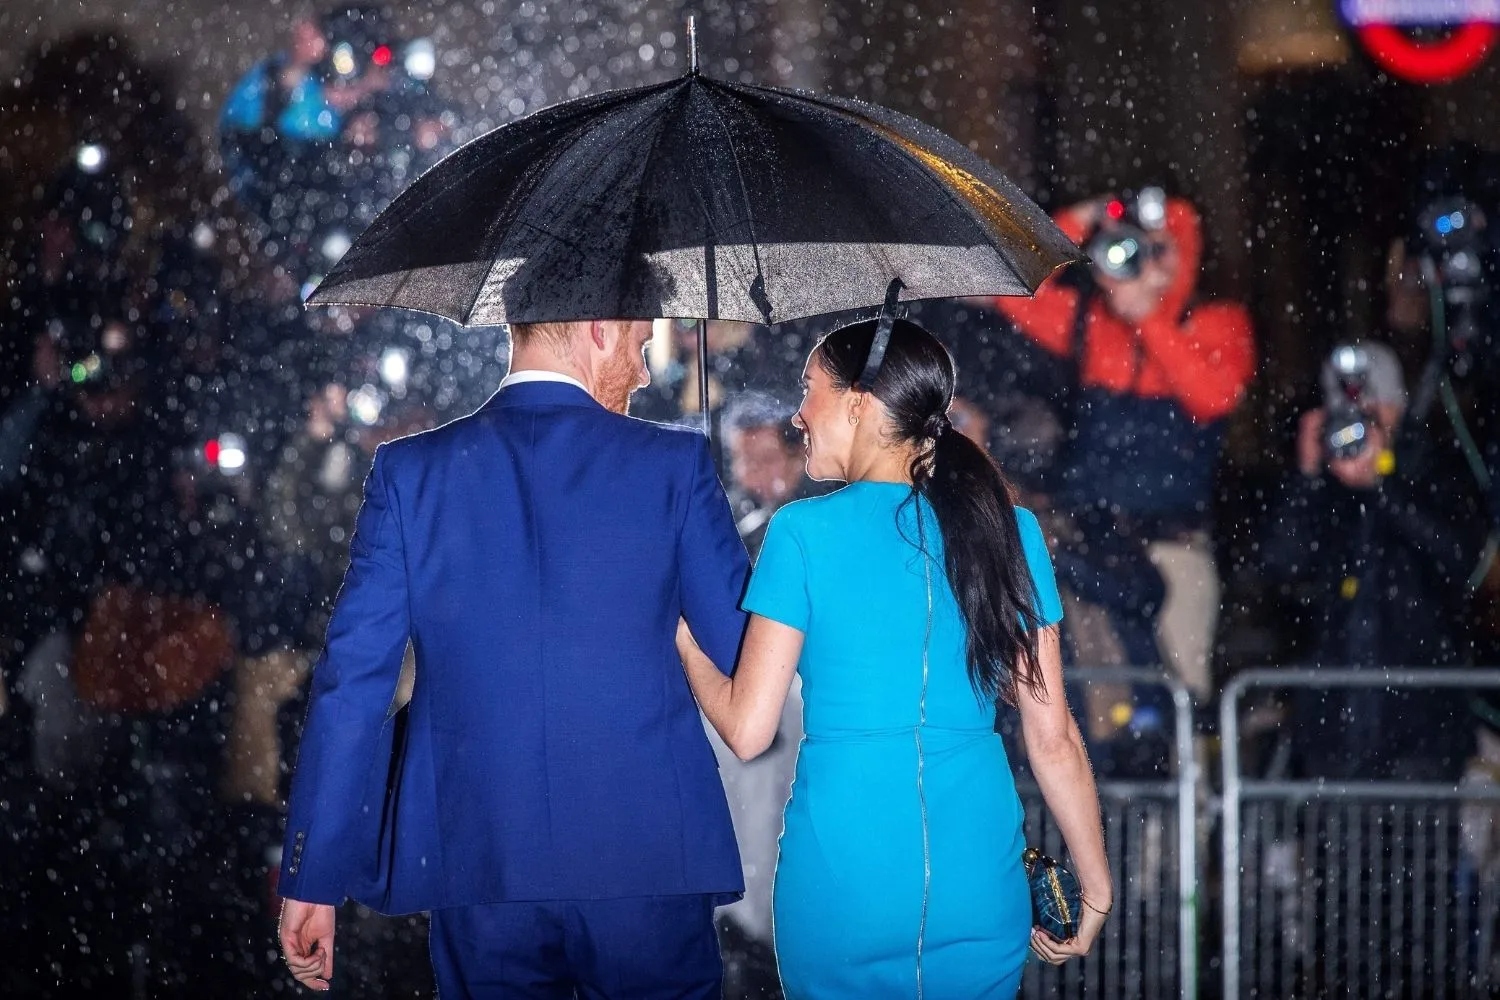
596 333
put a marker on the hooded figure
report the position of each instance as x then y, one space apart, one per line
1156 374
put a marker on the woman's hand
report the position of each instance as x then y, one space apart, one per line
747 709
1061 766
1050 950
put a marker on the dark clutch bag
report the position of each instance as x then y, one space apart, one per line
1056 897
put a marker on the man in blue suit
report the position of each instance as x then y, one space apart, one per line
548 793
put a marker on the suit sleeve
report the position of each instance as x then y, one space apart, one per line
713 564
338 788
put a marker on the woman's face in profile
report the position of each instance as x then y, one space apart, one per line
824 422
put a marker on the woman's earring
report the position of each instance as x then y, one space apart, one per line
854 421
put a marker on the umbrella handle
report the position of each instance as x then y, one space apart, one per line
703 377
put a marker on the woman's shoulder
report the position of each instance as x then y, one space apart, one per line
1033 540
794 513
1027 521
810 514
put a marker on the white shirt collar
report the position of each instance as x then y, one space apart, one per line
539 375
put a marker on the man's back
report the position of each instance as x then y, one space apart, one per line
538 554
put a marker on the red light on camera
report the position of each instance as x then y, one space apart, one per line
211 452
381 56
1115 209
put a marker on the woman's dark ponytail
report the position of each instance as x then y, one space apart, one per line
986 564
984 556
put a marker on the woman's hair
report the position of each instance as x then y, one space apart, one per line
984 558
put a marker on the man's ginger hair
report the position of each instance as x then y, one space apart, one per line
554 334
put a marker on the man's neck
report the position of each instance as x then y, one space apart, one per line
546 361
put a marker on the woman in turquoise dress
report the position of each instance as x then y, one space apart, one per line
909 601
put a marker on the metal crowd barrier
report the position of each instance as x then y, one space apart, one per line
1149 945
1356 889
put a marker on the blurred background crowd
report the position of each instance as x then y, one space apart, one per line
1290 461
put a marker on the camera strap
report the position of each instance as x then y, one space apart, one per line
1077 345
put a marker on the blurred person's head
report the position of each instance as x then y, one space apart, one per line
87 212
607 356
722 335
360 40
765 451
327 411
1377 387
309 45
902 414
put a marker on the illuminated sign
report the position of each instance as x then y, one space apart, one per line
1456 35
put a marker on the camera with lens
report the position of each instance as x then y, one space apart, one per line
219 464
1346 423
359 38
1122 246
1454 243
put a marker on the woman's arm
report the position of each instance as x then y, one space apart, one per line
745 708
1061 766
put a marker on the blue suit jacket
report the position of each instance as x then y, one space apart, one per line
537 554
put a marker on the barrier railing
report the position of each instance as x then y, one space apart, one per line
1353 888
1149 947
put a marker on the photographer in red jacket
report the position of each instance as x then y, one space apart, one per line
1157 373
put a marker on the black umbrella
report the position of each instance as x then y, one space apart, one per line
698 198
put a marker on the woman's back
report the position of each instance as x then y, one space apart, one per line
869 609
900 863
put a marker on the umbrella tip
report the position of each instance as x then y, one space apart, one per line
692 45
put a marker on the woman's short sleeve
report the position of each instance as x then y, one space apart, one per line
1048 603
778 584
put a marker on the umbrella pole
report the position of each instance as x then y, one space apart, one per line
703 376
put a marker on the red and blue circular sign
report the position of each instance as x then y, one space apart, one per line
1455 35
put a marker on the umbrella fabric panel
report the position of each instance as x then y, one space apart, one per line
433 248
842 276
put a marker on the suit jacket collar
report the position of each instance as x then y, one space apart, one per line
542 394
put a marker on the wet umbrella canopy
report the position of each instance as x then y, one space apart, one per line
699 198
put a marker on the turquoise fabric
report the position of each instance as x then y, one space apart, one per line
892 782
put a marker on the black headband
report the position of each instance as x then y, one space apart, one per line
882 336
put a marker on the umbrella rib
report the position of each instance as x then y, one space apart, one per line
548 232
650 163
744 190
906 146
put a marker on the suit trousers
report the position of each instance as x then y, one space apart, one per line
637 948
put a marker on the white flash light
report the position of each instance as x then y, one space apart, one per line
420 59
395 367
365 404
90 158
232 453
